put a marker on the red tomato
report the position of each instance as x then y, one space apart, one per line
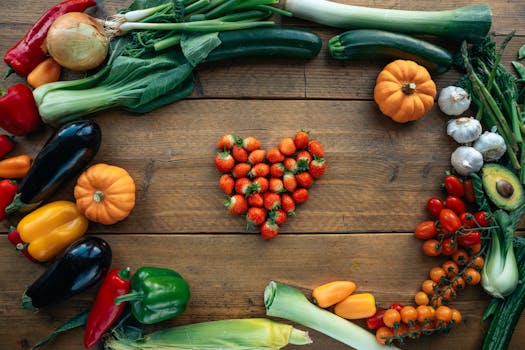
469 195
434 206
482 218
449 247
426 230
456 204
449 221
467 220
469 238
454 185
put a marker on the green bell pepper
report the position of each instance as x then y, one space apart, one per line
157 294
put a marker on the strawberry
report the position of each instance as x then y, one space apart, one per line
272 200
242 185
287 146
255 217
261 169
236 204
257 156
304 179
260 185
301 139
289 182
250 144
288 204
276 185
269 230
290 164
317 167
300 195
278 216
226 183
315 149
239 154
224 162
226 142
255 200
241 170
277 170
303 159
274 155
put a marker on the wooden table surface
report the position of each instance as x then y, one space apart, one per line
357 224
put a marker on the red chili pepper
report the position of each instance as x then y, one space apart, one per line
375 321
8 189
104 312
6 144
18 111
14 237
31 50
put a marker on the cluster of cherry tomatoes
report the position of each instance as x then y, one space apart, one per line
455 231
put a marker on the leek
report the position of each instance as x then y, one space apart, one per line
500 275
289 303
470 23
234 334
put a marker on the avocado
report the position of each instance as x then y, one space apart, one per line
502 187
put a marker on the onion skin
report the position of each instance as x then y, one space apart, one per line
77 41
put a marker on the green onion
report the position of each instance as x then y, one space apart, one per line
234 334
289 303
464 23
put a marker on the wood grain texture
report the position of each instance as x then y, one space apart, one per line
357 224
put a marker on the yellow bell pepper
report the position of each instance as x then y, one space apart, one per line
47 231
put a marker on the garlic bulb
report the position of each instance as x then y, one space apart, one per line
453 100
464 129
466 159
491 145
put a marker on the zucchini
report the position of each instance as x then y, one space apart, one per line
508 311
273 41
372 43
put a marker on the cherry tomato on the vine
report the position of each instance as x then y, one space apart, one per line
426 230
469 238
449 221
454 185
432 247
468 187
434 206
449 246
456 204
467 220
482 218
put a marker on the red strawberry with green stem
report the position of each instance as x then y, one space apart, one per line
289 182
276 185
241 170
315 149
255 217
269 230
287 146
226 184
277 170
300 195
304 179
301 139
224 162
242 185
317 167
250 144
255 200
236 204
288 204
226 142
303 159
272 201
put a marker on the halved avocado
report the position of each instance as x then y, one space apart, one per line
502 186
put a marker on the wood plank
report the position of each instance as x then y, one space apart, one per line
377 169
228 274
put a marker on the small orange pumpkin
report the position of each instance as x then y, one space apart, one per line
404 91
105 193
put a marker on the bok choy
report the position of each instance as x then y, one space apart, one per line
289 303
470 23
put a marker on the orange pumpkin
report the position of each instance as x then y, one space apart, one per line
404 91
105 193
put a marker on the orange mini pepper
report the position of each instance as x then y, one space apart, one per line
47 231
15 167
356 306
47 71
331 293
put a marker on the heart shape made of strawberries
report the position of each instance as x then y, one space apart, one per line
266 186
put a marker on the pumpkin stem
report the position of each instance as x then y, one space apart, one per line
409 88
98 196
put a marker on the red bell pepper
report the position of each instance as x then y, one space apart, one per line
8 189
31 49
18 111
6 144
104 311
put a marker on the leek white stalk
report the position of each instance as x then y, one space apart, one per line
289 303
234 334
470 22
500 274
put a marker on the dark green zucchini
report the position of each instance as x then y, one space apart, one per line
370 44
273 41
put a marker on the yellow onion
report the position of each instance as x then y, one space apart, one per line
77 41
